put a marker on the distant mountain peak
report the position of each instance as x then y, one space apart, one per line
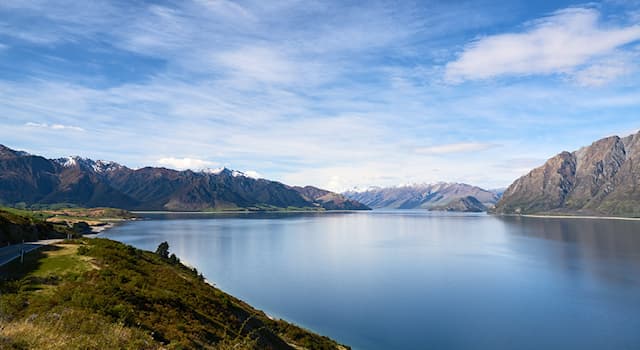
229 172
430 196
97 166
103 166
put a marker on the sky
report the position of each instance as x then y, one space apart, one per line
336 94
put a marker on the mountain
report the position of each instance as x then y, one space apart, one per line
439 196
329 200
31 179
466 204
600 179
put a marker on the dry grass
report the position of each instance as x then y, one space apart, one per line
52 332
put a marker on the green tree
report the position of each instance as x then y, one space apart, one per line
81 228
163 250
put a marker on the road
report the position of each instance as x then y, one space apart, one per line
12 252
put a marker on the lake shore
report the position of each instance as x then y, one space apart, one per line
589 217
246 212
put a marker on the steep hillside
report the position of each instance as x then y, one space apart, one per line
425 196
600 179
29 179
101 294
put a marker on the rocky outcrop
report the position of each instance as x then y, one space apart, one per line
600 179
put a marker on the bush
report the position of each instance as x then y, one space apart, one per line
83 250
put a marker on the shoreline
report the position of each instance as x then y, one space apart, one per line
248 212
106 225
589 217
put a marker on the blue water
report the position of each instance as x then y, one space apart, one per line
419 280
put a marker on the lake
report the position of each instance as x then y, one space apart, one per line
420 280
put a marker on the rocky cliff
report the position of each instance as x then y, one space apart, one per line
600 179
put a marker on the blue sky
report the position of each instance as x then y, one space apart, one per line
333 94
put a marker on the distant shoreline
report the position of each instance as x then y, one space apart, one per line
590 217
248 211
539 216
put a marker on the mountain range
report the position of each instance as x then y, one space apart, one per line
600 179
32 179
438 196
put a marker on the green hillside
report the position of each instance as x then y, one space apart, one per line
101 294
16 226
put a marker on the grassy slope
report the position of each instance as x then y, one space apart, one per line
30 225
14 227
72 215
99 294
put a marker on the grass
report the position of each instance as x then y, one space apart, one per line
18 224
71 214
32 214
99 294
62 260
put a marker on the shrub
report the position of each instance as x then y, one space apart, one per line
163 250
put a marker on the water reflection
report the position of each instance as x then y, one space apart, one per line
416 280
584 245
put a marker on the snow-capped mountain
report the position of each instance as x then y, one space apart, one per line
33 179
98 166
441 195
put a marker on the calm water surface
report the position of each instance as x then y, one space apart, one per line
416 280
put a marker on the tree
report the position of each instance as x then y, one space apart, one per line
81 228
174 259
163 250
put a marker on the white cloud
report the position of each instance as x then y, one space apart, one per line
185 163
53 126
456 148
555 44
253 174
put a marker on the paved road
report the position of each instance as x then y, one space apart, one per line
11 252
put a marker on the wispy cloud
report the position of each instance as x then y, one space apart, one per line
328 93
457 148
606 70
559 43
262 64
59 127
